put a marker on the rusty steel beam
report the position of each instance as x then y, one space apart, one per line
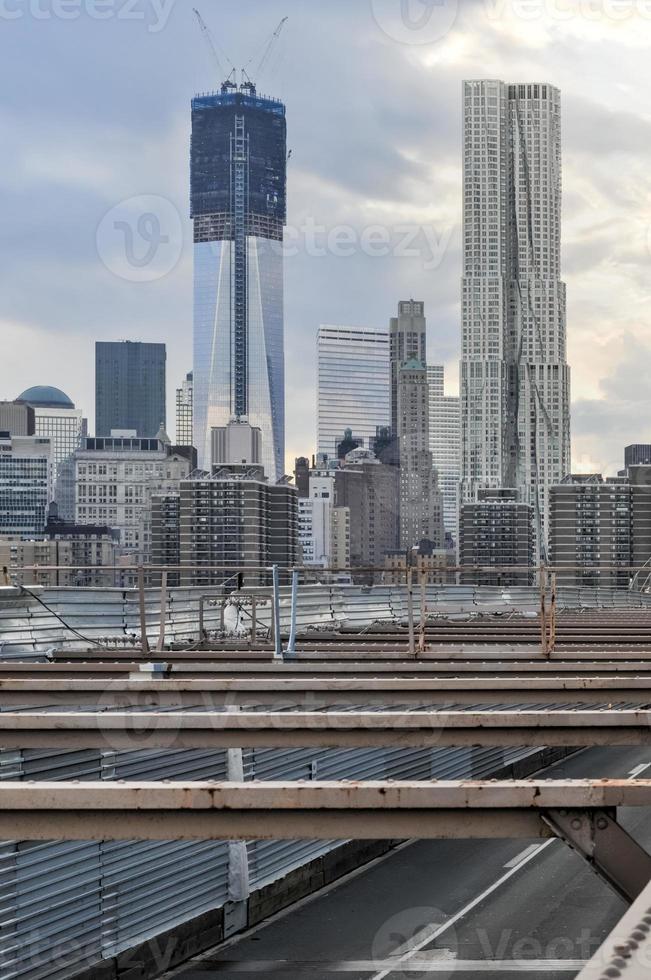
611 852
446 652
193 666
291 810
150 691
626 953
129 730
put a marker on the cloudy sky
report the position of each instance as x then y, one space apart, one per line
94 126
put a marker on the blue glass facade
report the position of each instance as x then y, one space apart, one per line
129 387
238 205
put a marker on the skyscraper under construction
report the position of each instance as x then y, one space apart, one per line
238 206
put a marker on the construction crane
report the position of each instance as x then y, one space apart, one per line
270 46
266 54
225 78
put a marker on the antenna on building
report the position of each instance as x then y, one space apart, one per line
227 80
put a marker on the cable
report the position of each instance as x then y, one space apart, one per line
87 639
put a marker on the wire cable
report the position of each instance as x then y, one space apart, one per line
71 629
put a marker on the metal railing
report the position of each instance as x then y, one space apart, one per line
412 594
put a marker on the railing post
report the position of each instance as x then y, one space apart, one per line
291 646
552 615
278 647
254 619
144 642
238 858
423 607
543 612
160 646
410 609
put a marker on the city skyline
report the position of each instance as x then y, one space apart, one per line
605 230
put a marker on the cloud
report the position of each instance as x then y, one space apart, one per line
100 113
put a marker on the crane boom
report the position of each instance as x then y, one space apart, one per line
211 44
270 46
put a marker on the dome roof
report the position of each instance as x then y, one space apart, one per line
43 396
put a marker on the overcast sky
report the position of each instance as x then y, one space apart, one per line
94 129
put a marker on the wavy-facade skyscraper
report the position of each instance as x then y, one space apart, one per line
515 381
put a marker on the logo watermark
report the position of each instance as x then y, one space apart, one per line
423 242
415 21
141 238
153 13
563 11
402 945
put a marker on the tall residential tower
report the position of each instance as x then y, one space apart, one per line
515 382
238 204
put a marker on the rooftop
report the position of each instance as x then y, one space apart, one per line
44 396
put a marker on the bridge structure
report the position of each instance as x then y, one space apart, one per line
564 679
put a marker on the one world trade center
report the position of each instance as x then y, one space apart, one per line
238 206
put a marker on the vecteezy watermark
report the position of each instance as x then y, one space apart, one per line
153 13
402 946
567 10
402 241
415 21
141 238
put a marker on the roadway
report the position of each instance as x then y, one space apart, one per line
462 909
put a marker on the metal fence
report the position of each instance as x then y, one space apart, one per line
149 620
66 905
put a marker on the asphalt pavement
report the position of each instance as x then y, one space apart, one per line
463 909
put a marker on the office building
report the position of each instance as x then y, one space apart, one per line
496 531
370 491
237 520
428 565
408 341
445 446
17 419
302 476
421 509
340 540
600 529
315 518
184 400
638 454
25 483
166 534
129 388
515 381
116 478
83 556
57 419
237 443
238 206
353 385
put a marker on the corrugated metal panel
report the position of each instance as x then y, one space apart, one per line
269 860
111 616
151 886
50 908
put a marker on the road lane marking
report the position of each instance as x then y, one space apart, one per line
634 773
471 905
424 965
522 855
